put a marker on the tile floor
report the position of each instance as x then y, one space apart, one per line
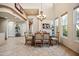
16 47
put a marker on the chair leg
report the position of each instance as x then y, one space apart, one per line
25 41
42 42
49 42
35 44
31 42
57 42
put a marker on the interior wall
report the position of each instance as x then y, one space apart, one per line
3 25
23 28
3 30
11 29
70 41
37 25
48 22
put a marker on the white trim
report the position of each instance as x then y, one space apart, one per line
75 22
62 26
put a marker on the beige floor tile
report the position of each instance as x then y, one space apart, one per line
16 47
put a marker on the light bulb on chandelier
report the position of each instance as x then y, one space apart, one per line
41 16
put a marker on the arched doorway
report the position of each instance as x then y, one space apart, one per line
9 23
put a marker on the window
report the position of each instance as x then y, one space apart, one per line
64 25
76 15
56 25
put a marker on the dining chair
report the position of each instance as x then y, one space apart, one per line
55 38
46 38
38 38
28 38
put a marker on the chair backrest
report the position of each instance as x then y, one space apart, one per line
25 34
29 36
46 35
38 36
57 34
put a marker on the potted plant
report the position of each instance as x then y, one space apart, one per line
17 28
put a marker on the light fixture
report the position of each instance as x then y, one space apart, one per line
41 16
77 9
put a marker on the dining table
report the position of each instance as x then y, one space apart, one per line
33 40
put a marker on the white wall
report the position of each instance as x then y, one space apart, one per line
3 25
11 28
48 22
23 28
3 30
70 41
37 25
2 38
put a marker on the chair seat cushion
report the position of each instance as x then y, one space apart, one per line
37 40
54 38
45 41
29 37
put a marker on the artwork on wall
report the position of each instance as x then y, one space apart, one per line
19 8
53 30
17 28
46 26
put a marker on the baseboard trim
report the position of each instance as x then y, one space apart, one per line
69 48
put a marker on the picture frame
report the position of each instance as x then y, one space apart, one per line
19 8
46 26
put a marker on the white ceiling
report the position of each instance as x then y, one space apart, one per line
31 5
10 17
46 7
36 5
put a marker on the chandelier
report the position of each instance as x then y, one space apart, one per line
41 16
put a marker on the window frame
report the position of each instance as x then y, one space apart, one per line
65 14
56 25
75 17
